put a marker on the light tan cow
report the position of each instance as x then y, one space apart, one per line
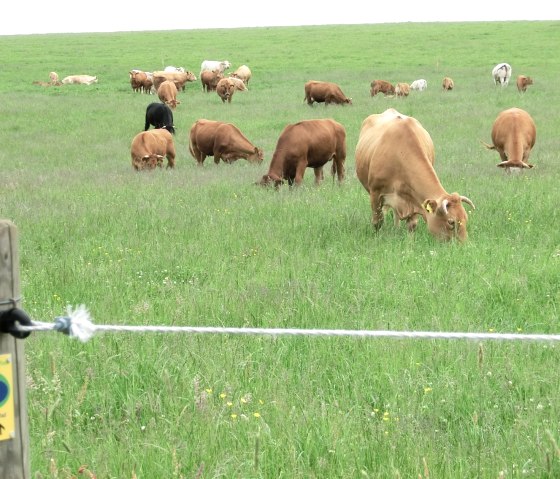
243 73
179 78
513 136
79 80
402 89
447 84
149 148
225 89
395 163
222 140
167 93
523 82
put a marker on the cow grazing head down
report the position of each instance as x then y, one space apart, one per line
394 163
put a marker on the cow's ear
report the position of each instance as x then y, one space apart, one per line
430 205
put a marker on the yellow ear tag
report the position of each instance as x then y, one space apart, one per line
428 208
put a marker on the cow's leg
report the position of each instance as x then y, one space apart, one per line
377 209
319 176
300 171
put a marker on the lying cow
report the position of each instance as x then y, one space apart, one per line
325 92
501 74
149 148
79 80
523 82
513 136
307 144
381 86
394 162
223 141
167 93
160 116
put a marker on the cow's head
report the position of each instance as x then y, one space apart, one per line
256 157
446 217
150 162
270 179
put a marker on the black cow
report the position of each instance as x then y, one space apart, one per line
160 116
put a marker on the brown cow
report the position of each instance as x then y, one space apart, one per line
307 144
148 149
381 86
222 140
394 162
325 92
513 136
447 84
243 73
137 79
402 89
179 78
523 82
225 89
210 79
167 93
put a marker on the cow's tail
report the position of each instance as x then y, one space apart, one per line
490 147
334 169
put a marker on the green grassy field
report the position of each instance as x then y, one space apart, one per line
205 246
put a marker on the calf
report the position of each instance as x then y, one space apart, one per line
160 116
223 141
149 148
307 144
523 82
447 84
402 89
513 136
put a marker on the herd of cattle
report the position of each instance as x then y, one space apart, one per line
394 156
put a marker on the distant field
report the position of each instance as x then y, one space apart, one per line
205 246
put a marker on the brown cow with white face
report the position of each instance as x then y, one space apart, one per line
149 148
167 93
222 140
394 162
307 144
523 82
325 92
513 136
381 86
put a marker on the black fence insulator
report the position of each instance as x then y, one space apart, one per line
9 320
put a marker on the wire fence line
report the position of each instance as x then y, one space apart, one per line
78 324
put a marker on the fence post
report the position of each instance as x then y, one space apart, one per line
14 431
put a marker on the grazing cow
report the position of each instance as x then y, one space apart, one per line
243 73
167 93
447 84
381 86
215 65
523 82
209 80
402 89
223 141
179 78
160 116
79 80
513 136
501 74
325 92
149 148
419 85
225 89
394 162
307 144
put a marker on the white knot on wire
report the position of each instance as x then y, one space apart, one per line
76 324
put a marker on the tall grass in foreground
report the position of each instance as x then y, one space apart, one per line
206 247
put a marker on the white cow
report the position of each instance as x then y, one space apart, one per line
501 74
419 85
214 65
79 80
174 69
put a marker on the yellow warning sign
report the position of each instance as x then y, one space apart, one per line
7 429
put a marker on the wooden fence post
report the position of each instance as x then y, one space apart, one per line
14 431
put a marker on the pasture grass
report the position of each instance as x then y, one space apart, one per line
204 246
